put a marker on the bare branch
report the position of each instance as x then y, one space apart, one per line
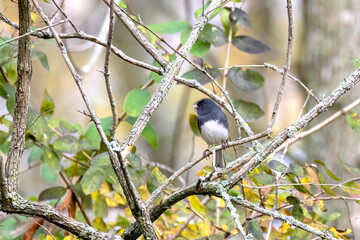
107 73
32 32
288 63
50 214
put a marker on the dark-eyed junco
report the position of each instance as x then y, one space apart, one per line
213 126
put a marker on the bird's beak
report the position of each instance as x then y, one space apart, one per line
195 106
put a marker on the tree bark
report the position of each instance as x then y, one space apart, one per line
24 69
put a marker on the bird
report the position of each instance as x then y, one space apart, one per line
214 128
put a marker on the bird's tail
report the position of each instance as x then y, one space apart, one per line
219 160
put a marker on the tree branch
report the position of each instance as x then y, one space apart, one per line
24 70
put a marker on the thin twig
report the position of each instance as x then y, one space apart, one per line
40 225
287 65
226 197
32 32
107 73
66 16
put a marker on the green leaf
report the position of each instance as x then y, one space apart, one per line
149 134
92 179
122 221
291 177
199 11
68 144
193 121
196 205
201 77
253 227
91 139
155 180
35 153
214 35
349 168
248 110
247 80
100 207
157 78
170 27
334 216
353 120
201 46
225 20
264 179
43 59
297 169
47 174
249 45
101 159
122 4
69 128
135 101
327 170
38 128
8 224
238 15
7 51
298 213
47 105
322 180
293 200
11 71
3 137
51 158
52 193
277 166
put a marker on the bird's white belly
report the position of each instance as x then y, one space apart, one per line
214 133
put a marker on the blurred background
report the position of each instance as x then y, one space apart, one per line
326 43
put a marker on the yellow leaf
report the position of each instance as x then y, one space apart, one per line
35 17
144 193
321 205
105 189
94 195
196 205
251 195
284 228
205 228
110 202
270 201
70 237
99 224
49 237
191 232
338 233
110 225
118 199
